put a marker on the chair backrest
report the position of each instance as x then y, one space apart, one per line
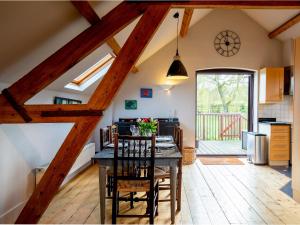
134 157
176 134
180 140
112 131
104 138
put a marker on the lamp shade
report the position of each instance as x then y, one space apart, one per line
177 70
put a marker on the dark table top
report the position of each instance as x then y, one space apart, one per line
162 153
108 154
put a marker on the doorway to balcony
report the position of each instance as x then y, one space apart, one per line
224 110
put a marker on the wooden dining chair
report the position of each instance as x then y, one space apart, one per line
134 172
166 176
113 129
104 138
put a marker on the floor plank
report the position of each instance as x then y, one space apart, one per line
211 194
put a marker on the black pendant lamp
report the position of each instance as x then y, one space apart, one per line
177 70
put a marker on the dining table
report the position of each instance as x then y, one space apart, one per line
164 157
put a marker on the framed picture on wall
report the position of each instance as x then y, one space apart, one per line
130 104
60 100
146 92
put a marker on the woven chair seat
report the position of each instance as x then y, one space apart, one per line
159 173
134 185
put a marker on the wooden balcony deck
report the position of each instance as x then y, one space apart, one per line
220 148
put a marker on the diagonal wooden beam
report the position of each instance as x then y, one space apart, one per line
68 152
57 170
129 54
188 13
288 24
74 51
86 10
236 4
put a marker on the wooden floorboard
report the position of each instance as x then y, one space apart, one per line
211 194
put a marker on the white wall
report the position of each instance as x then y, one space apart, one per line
288 55
197 51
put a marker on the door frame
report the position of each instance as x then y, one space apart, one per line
230 71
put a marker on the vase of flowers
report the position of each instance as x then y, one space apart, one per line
147 126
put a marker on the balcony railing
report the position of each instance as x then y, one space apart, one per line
220 126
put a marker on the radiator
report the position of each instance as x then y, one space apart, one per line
83 160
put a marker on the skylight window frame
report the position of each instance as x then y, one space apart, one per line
81 82
94 69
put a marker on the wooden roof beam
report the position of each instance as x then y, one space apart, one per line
57 170
74 51
288 24
81 131
42 113
235 4
86 10
128 55
186 20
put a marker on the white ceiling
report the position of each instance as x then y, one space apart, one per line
271 19
33 24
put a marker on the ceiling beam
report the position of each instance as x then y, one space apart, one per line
74 51
186 20
288 24
9 116
86 10
128 55
81 131
235 4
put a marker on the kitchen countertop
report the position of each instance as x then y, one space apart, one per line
277 123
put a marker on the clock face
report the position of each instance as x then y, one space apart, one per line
227 43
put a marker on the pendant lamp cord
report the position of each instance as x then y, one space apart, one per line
177 35
176 16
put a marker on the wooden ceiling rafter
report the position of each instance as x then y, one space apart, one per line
74 51
186 20
83 128
86 10
235 4
285 26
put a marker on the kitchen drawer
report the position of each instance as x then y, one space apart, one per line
280 129
280 145
280 155
280 136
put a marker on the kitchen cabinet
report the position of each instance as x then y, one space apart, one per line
271 85
279 142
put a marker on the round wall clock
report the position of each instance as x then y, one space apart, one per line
227 43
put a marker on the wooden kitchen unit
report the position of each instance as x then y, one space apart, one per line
279 142
271 85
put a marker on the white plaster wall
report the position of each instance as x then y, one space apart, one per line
288 55
197 52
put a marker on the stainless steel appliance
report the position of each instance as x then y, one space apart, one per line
257 149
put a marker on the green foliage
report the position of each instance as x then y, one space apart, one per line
146 125
222 93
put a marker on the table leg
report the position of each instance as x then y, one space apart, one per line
179 185
173 182
102 192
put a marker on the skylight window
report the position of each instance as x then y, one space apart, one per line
92 74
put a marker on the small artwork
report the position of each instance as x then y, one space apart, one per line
60 100
130 104
146 92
